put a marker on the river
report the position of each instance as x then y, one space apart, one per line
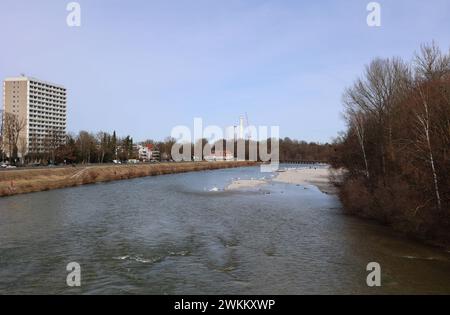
185 234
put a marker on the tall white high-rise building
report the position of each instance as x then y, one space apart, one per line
41 107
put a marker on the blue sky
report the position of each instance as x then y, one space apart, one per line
142 67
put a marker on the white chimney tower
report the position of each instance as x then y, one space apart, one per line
241 127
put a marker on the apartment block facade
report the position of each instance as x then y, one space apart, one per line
41 107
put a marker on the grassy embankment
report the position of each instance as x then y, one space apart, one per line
13 182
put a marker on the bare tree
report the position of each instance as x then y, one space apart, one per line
52 141
86 144
423 118
34 148
431 63
103 139
12 127
23 148
383 84
358 122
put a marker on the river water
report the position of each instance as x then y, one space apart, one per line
183 234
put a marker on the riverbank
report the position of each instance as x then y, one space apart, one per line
14 182
391 207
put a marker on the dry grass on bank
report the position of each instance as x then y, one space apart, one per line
18 181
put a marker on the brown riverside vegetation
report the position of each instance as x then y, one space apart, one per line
396 149
13 182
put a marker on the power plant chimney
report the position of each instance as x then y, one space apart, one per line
241 127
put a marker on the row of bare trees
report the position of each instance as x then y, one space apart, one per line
86 147
289 149
103 147
295 150
396 148
55 147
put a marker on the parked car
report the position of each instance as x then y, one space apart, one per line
11 166
4 166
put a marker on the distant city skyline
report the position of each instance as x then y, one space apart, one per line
143 67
